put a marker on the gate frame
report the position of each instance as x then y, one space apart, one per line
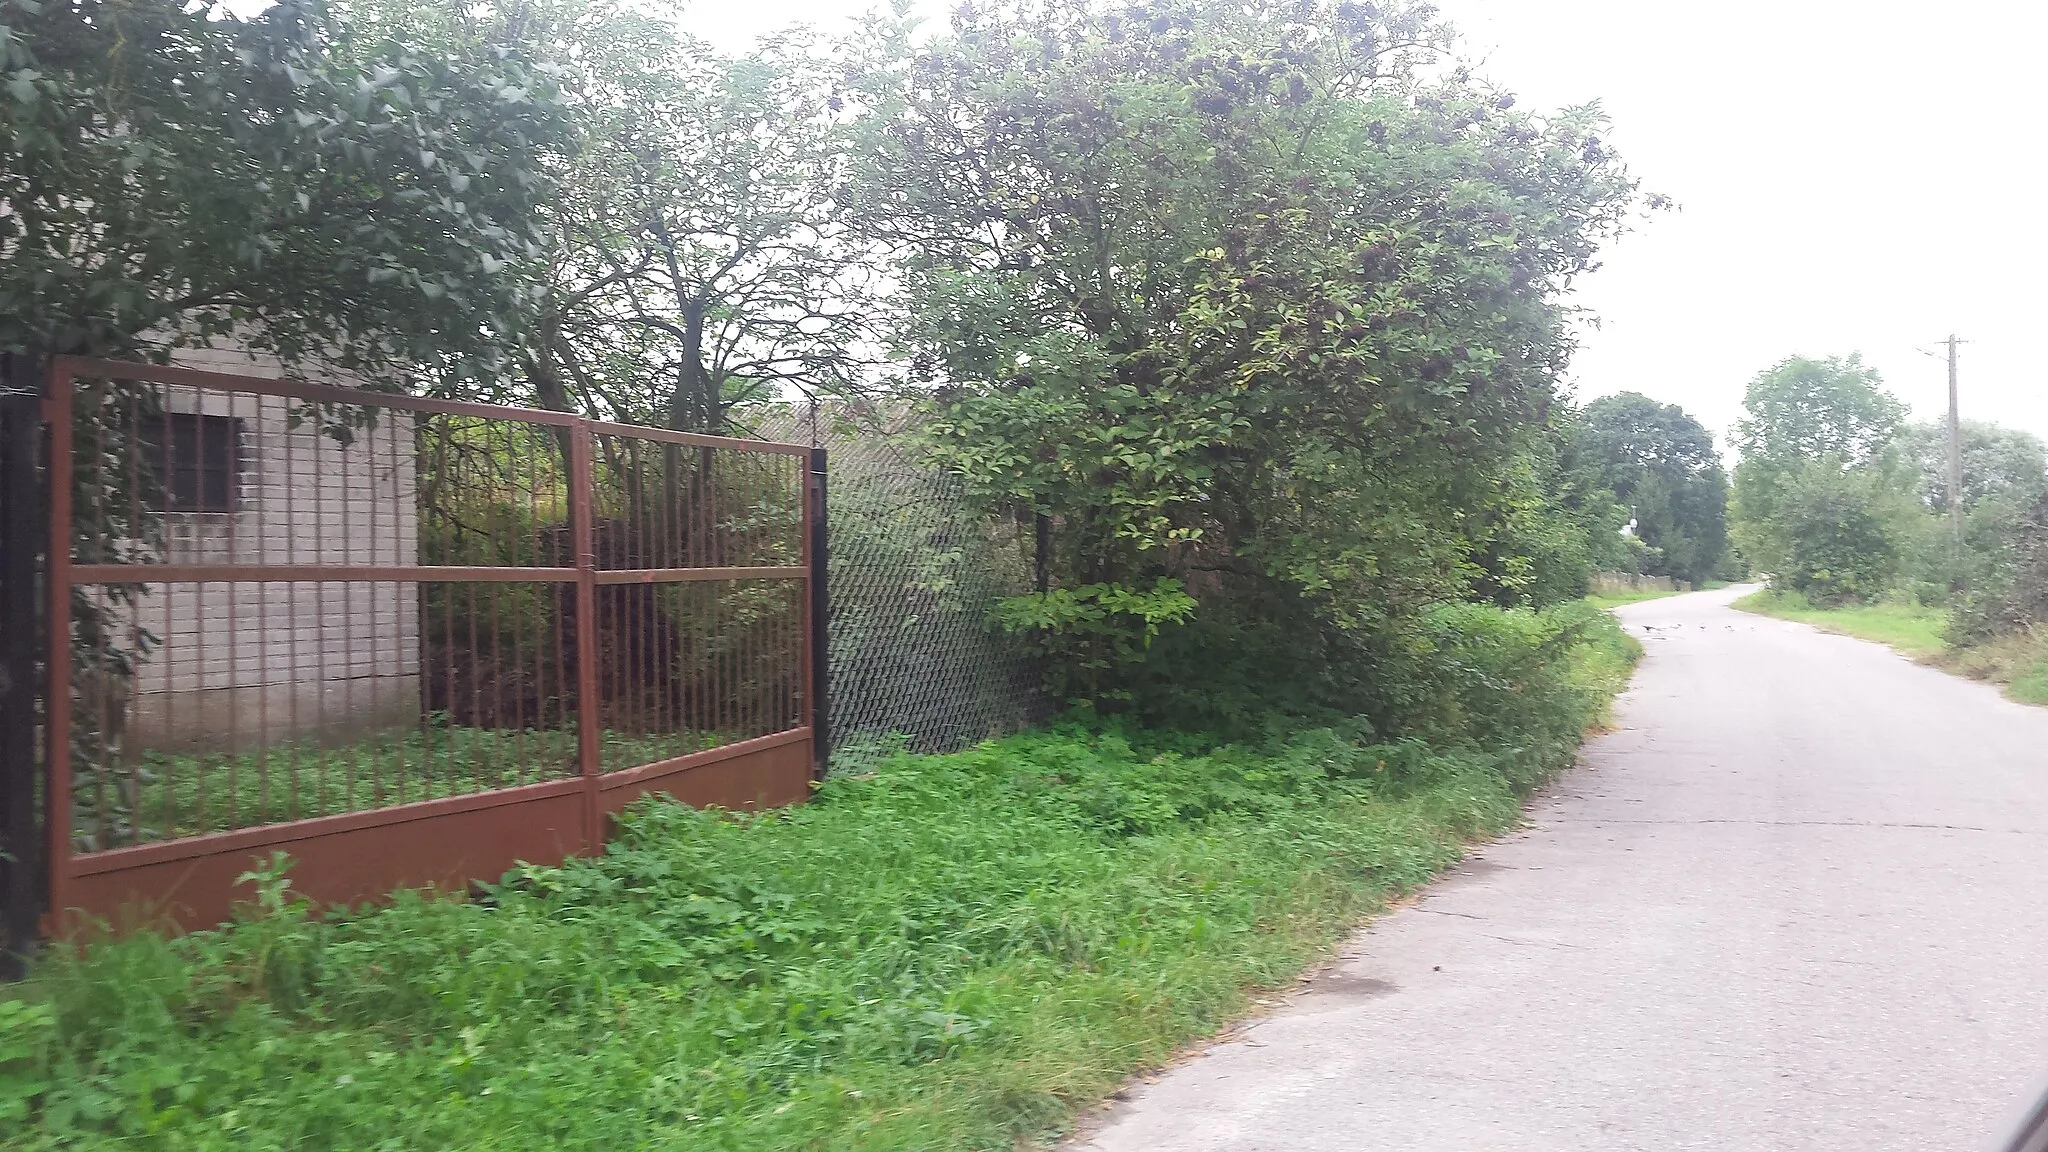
350 857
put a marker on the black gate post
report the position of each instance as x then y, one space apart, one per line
21 888
821 607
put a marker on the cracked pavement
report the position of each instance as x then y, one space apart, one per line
1797 900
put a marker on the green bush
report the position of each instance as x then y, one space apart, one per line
1844 531
2004 585
1456 674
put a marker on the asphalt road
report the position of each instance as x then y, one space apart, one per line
1798 900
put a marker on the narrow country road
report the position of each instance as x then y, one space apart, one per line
1798 900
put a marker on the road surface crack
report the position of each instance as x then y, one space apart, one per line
1533 943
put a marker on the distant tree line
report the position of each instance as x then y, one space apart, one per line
1661 464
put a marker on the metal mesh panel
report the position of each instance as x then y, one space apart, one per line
914 573
291 605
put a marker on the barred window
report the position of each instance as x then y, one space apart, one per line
198 460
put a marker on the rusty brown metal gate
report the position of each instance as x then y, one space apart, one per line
407 641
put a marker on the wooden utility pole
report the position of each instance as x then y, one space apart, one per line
1955 458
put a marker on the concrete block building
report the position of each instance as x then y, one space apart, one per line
252 480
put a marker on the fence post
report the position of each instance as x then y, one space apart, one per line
57 414
819 613
589 714
21 851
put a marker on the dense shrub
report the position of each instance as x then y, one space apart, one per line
1843 533
1455 673
2005 586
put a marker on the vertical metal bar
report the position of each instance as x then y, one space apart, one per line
364 753
266 482
426 526
94 538
722 628
721 541
583 532
101 518
476 696
199 614
817 613
517 675
57 664
240 641
623 521
297 610
559 608
20 429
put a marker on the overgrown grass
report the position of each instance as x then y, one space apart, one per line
1913 629
2019 662
940 952
2031 686
190 793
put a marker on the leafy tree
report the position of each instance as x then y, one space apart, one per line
170 177
1557 525
1662 464
1233 297
1801 410
696 254
1804 413
700 256
1997 462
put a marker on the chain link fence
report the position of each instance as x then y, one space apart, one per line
914 573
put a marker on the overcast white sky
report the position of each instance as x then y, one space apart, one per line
1852 177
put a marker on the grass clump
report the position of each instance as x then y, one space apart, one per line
940 952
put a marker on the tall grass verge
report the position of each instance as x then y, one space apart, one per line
1913 629
940 952
2018 663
